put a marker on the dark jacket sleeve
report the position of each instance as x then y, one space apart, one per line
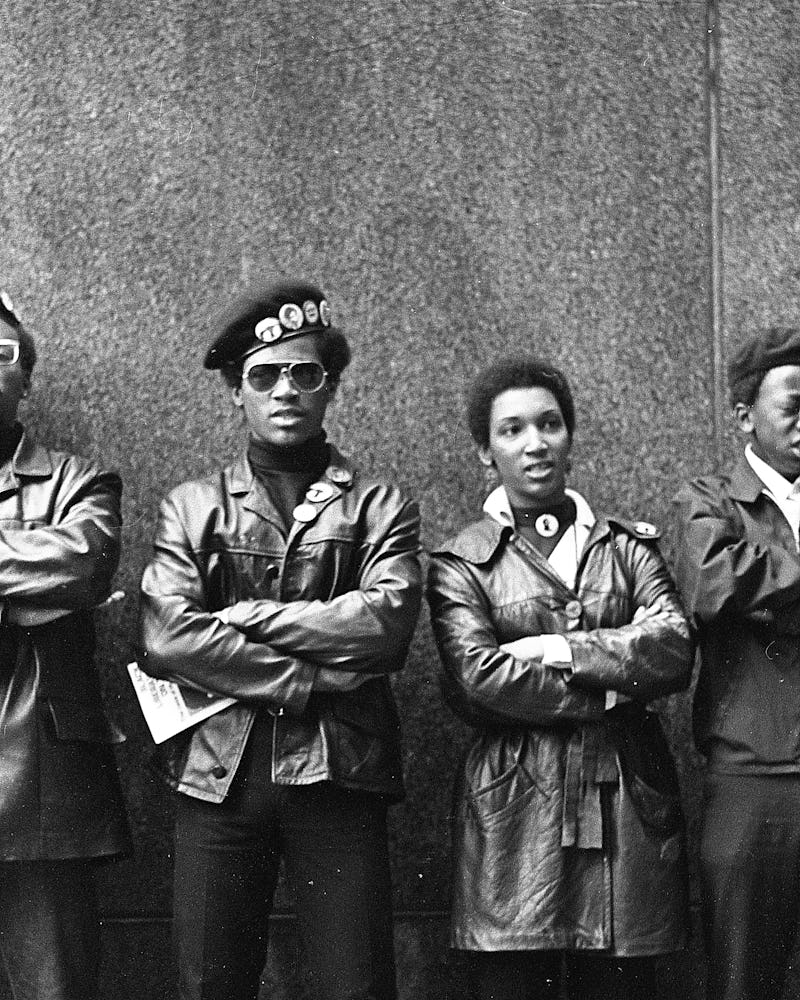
367 629
481 683
53 569
720 572
184 642
645 660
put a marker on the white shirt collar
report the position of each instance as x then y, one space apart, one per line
498 507
775 483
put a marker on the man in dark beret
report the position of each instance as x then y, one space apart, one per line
61 809
739 572
291 583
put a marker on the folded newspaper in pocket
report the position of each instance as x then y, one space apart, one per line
168 708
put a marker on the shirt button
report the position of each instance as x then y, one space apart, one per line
218 771
574 609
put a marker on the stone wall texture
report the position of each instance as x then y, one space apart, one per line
465 178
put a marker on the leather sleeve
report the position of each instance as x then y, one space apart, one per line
367 629
720 572
184 642
480 682
48 570
645 660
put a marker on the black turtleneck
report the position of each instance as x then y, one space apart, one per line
9 439
561 515
286 473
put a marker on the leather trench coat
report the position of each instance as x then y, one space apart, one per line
552 850
341 591
59 546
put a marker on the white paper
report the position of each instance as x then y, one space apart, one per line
169 708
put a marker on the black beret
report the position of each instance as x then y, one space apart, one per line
7 313
266 314
779 345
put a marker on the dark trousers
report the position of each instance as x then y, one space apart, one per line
49 929
538 975
750 872
333 845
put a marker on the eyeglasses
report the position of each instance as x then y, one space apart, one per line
305 376
9 352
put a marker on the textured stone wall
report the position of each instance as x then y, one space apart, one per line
465 178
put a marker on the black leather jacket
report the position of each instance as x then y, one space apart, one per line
543 771
59 546
339 596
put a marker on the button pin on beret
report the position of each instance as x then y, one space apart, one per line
266 314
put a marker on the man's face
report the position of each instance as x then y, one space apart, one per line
773 420
284 416
14 383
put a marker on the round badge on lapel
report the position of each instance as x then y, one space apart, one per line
304 512
319 492
340 476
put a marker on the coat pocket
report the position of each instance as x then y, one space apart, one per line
74 721
501 777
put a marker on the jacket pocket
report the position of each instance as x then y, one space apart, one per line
76 721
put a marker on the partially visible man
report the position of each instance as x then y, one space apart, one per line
290 582
738 569
61 807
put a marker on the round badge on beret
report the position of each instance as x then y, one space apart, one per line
311 312
304 512
291 316
269 329
325 312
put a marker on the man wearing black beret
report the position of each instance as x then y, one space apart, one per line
291 583
61 808
739 572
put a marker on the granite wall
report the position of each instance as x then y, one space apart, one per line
465 178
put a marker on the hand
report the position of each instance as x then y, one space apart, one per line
529 647
657 610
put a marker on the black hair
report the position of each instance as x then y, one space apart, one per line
515 373
334 355
27 350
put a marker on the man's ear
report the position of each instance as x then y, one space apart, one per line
743 415
485 455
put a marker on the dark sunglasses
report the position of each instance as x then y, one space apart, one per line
305 376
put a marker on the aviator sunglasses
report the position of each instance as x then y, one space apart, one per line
9 352
305 376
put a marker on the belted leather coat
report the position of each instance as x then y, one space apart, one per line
567 830
59 546
340 593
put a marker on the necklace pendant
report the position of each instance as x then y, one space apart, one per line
546 525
